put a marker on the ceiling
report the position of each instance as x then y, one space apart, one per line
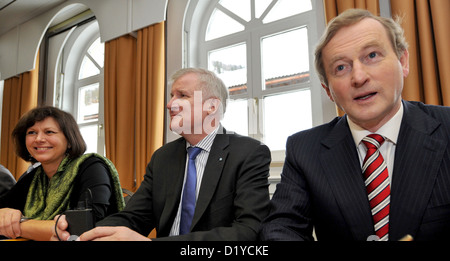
16 12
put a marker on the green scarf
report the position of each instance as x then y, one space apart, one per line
48 198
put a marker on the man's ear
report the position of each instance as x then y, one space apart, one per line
212 105
404 60
327 89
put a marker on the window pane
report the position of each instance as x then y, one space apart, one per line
220 25
90 136
230 64
241 8
97 51
285 58
88 100
286 8
236 117
284 115
87 68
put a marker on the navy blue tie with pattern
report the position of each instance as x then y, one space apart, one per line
188 200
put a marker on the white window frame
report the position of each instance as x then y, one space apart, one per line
79 83
183 18
68 55
196 55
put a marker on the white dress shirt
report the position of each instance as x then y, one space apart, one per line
200 164
389 131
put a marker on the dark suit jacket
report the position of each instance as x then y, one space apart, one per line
322 184
233 198
7 180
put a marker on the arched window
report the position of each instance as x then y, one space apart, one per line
78 79
262 49
89 86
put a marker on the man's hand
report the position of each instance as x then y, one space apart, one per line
112 234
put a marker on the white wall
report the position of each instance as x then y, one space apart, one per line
19 46
176 53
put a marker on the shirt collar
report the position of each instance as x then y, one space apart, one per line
206 142
389 130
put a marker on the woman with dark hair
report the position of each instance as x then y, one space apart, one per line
51 137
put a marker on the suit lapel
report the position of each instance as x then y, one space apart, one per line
211 176
342 168
174 174
417 159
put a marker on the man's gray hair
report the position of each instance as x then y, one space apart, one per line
210 84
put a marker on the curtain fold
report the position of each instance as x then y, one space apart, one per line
19 96
334 7
425 23
149 95
119 95
134 101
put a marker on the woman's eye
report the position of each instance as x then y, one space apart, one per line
372 55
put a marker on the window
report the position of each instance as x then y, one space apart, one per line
261 50
78 57
88 87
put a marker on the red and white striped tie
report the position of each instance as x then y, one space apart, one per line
377 185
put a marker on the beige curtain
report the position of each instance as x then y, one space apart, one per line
119 93
19 96
149 95
334 7
134 101
426 29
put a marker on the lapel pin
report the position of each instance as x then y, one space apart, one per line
220 159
